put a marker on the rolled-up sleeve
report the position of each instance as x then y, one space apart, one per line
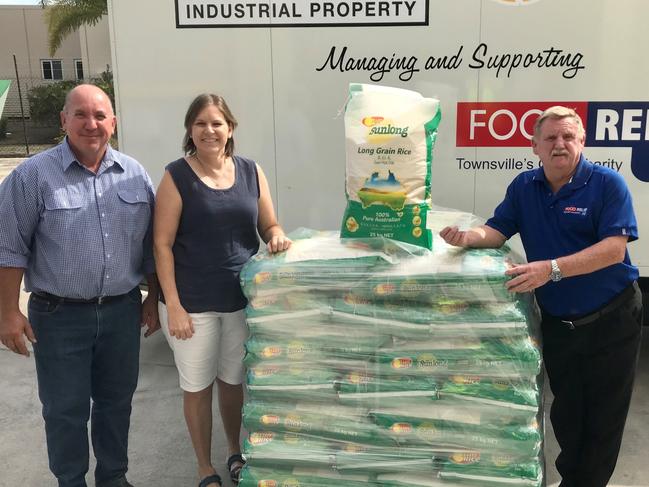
19 215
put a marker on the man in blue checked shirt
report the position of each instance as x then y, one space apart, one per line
75 220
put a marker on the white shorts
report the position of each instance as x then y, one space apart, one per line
215 350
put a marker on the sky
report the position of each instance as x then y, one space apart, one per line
18 2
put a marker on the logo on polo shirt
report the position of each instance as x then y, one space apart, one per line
511 124
574 210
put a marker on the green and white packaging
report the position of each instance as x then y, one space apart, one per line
390 134
377 362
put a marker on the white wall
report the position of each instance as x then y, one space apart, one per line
95 48
288 110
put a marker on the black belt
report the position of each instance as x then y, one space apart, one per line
59 299
612 305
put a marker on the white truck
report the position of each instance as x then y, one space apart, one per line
284 68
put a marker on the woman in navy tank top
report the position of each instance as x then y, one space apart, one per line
210 207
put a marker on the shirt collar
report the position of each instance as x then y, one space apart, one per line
68 157
579 178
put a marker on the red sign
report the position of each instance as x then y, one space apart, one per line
504 124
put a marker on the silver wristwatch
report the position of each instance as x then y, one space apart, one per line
555 274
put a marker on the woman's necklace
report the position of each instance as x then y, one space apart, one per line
219 179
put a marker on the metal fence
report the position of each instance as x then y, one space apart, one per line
20 134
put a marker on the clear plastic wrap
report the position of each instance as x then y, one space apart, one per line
374 362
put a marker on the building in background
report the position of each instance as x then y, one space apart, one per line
83 54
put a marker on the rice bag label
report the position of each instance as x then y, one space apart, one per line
390 134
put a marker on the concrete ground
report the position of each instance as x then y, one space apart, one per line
160 451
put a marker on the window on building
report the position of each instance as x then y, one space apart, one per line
52 69
78 68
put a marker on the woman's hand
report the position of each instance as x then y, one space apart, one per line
180 323
278 243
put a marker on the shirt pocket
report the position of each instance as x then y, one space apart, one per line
135 210
63 211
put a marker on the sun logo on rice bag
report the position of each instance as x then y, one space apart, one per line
353 299
372 121
271 351
356 378
261 437
267 483
390 134
465 458
269 419
401 363
384 289
450 306
401 428
262 277
264 371
353 448
465 379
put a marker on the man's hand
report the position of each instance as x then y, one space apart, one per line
150 317
454 236
528 276
278 243
12 328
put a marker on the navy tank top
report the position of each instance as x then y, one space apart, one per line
217 234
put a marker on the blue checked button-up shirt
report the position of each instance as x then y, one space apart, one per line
78 234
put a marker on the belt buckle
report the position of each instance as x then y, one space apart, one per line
569 323
101 299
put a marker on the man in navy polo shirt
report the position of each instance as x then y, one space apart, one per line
575 219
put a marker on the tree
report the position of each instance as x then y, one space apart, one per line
66 16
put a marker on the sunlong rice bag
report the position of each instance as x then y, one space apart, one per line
299 477
390 134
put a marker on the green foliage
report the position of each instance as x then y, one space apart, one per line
105 82
66 16
46 101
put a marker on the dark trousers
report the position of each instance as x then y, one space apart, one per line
591 371
86 354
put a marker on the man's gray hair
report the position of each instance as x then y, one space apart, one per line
558 112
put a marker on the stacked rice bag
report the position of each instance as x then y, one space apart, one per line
375 362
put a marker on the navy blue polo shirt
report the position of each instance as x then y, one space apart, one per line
594 205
